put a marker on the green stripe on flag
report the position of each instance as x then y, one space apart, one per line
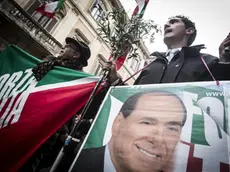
143 10
61 74
14 59
60 3
96 136
13 56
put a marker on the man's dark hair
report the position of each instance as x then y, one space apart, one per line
131 102
188 24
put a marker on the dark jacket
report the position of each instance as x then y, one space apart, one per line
90 160
186 66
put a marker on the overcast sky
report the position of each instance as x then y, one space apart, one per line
212 18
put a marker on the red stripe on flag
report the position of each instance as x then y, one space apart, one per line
194 164
119 61
141 13
43 113
41 10
224 167
135 10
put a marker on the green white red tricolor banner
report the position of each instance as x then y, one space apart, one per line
31 111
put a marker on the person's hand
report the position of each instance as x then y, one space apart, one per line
77 119
224 49
111 67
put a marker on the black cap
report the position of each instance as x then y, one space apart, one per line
85 51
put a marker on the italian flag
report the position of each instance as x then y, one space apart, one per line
119 61
140 8
49 9
31 111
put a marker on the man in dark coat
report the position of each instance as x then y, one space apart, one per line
74 56
181 63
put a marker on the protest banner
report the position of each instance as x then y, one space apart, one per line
30 110
179 127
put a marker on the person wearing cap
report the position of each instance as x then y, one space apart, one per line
74 56
224 50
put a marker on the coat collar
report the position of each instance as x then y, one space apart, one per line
191 51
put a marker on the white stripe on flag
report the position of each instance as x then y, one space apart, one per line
50 7
141 4
66 84
114 110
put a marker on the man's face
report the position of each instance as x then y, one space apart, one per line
224 49
146 139
69 51
174 29
225 54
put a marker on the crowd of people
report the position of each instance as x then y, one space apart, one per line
181 63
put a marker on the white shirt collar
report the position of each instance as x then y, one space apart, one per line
171 53
173 49
108 164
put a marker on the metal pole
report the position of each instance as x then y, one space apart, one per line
76 125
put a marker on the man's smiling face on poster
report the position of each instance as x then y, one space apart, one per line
145 139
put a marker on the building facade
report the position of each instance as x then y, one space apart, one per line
39 35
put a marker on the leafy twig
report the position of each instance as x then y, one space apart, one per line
122 33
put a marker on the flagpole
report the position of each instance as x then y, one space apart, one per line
70 137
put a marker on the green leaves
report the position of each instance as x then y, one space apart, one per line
122 33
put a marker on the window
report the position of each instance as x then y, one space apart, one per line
98 70
46 22
80 36
97 12
32 6
51 24
135 64
3 44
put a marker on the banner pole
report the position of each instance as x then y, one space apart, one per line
77 124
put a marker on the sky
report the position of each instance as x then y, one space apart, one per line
212 19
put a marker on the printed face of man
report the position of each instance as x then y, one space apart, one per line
146 139
174 29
